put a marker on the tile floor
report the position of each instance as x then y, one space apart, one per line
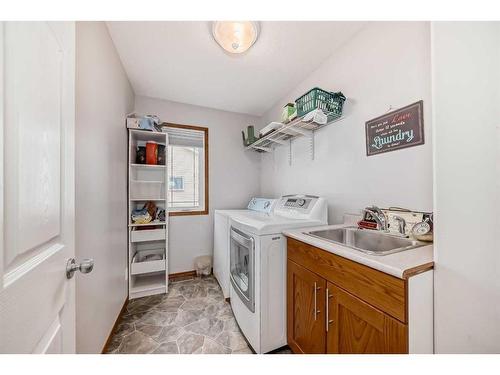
193 318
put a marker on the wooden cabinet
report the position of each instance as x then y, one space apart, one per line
305 311
339 306
357 327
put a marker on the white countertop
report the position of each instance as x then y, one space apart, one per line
397 264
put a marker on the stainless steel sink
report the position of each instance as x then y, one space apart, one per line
366 241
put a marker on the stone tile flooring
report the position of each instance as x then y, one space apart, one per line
193 318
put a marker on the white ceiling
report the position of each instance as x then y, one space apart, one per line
180 61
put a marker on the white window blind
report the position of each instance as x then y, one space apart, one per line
186 163
185 137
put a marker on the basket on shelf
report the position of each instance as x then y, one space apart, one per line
316 98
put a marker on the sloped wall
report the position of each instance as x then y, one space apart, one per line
387 64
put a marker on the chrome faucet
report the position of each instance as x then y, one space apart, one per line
401 225
378 216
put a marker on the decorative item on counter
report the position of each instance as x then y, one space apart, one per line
365 224
250 136
151 152
160 160
289 113
423 231
393 215
330 102
140 156
368 222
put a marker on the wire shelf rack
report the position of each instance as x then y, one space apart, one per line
290 131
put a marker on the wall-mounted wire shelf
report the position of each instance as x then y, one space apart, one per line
290 131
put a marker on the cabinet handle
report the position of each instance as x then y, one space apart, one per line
328 321
316 311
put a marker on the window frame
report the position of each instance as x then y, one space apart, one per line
205 161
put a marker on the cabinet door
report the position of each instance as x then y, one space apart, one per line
305 310
356 327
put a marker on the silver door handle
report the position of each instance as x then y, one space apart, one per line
316 311
328 321
86 266
241 238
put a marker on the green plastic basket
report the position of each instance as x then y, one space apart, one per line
316 98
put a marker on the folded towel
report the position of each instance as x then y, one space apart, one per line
141 216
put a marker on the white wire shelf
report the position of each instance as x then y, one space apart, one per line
287 132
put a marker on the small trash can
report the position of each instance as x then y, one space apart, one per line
203 265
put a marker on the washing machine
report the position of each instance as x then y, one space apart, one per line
256 207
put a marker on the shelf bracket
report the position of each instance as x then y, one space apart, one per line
262 148
278 141
311 145
304 132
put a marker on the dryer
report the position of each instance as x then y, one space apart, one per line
257 267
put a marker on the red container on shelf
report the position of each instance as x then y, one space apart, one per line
151 152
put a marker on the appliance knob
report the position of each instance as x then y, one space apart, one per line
301 202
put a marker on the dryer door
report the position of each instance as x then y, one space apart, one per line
242 259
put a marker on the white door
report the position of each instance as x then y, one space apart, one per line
37 75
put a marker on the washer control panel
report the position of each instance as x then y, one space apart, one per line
261 205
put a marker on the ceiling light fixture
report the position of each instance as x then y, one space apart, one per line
235 36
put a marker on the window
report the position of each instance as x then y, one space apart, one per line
184 167
187 165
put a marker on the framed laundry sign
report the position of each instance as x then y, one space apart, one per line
395 130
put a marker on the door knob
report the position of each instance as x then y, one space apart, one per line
86 266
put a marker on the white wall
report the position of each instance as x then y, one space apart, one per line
466 109
384 65
233 174
103 98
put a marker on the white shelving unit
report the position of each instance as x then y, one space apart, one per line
284 135
147 183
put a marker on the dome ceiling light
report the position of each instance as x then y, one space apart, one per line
235 36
